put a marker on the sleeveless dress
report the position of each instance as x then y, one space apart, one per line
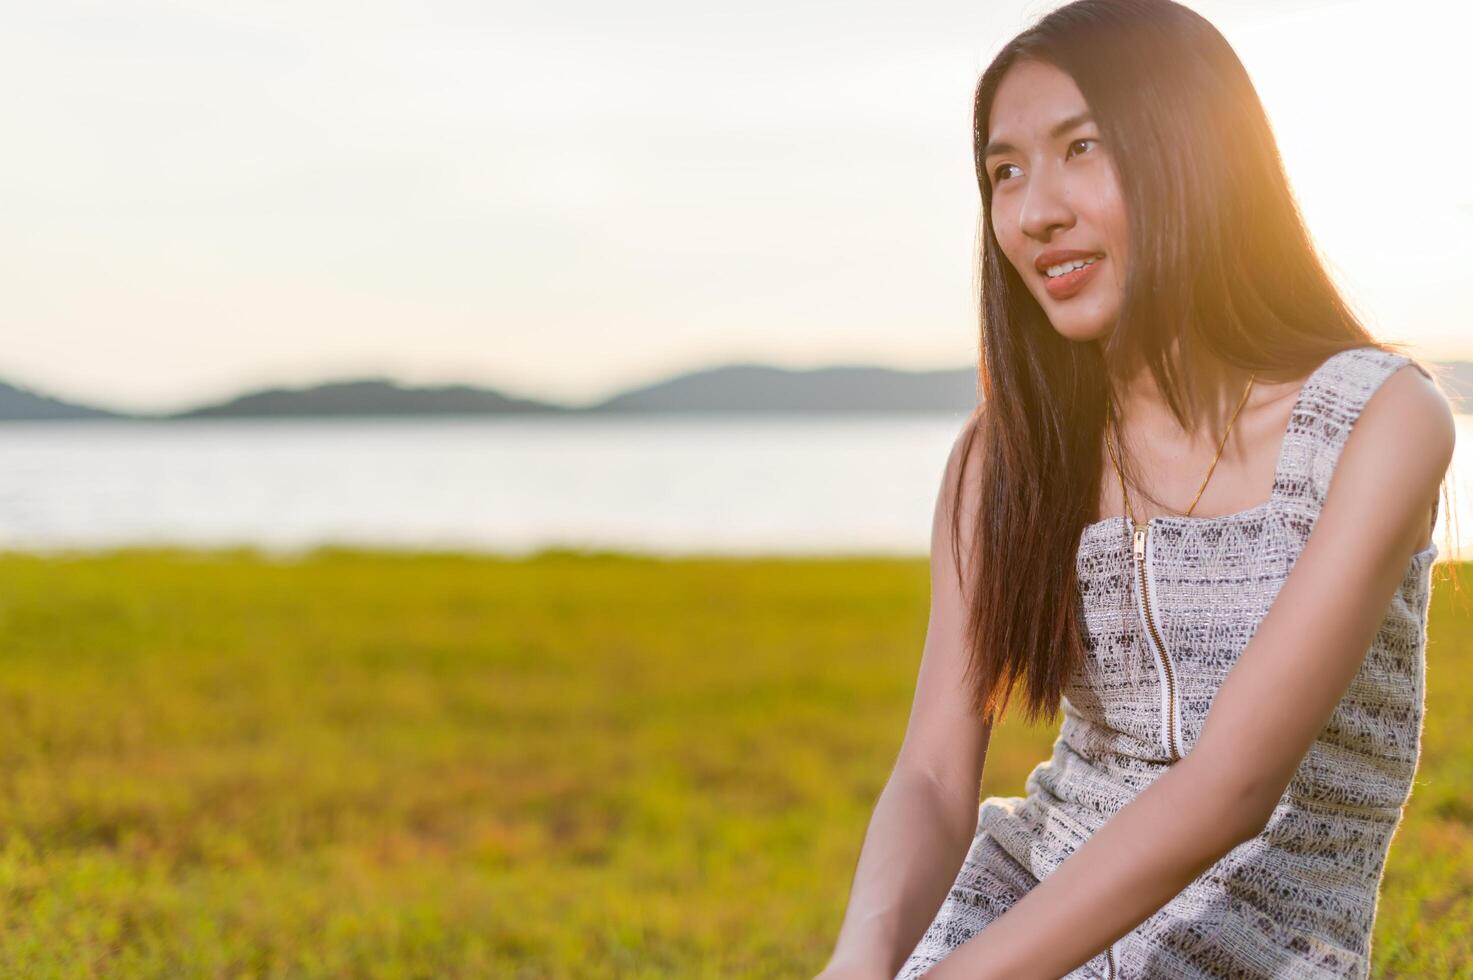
1163 628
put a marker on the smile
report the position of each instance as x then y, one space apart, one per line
1067 278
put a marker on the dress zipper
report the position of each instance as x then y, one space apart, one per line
1138 549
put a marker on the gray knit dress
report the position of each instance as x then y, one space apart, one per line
1163 630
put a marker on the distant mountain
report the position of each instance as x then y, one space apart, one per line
735 388
732 388
24 404
370 396
756 387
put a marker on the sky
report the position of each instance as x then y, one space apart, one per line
564 199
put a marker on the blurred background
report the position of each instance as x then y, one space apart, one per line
469 467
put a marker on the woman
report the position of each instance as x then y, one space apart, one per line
1139 524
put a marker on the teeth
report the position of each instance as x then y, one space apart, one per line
1058 270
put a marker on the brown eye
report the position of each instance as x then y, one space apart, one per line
995 178
1082 139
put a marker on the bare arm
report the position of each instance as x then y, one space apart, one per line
925 818
1265 717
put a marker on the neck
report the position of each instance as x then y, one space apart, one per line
1211 390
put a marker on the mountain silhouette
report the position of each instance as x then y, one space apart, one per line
761 388
369 396
19 404
729 388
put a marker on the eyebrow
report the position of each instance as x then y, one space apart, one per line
1060 128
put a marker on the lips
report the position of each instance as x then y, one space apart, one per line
1057 255
1070 283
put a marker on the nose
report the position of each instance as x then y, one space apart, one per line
1045 208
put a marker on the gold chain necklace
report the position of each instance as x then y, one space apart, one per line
1126 499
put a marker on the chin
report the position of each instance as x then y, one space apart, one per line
1082 330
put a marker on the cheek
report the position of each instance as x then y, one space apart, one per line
1118 233
1009 241
1112 214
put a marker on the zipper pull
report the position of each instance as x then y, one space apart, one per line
1138 543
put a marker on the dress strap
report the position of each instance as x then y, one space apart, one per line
1324 412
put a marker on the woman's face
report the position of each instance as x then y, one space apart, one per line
1055 197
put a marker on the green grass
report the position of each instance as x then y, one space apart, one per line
381 765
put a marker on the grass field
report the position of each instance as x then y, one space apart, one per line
381 765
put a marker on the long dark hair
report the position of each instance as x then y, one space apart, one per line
1219 259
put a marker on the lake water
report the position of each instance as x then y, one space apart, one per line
733 484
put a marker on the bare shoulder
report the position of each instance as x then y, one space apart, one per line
1396 455
959 491
1407 418
966 447
1414 382
965 458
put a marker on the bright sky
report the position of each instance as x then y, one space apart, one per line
566 198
